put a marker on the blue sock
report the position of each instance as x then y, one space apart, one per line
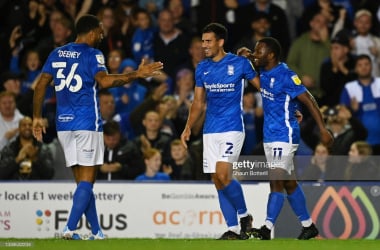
81 200
92 215
298 203
228 210
274 206
234 193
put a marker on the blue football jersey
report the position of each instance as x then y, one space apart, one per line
279 89
224 85
73 67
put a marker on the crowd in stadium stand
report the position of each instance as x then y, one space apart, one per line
333 45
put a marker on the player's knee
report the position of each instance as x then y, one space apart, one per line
290 186
223 178
277 185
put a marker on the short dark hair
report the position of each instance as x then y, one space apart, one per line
86 23
361 57
111 128
217 28
273 45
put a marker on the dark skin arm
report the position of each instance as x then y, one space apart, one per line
248 54
308 100
106 80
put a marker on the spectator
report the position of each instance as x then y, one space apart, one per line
336 16
142 39
318 166
123 15
167 108
181 165
129 96
362 96
114 59
336 70
108 113
373 7
153 7
181 21
344 126
14 15
62 32
279 28
30 67
184 94
151 102
36 22
364 42
311 44
170 44
153 161
293 10
97 5
260 28
361 167
118 164
75 9
26 158
127 6
9 118
153 137
54 17
12 82
196 54
113 26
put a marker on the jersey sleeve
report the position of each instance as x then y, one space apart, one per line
248 69
199 75
97 62
293 86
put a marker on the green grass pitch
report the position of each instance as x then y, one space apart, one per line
190 244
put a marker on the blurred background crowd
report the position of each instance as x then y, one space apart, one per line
333 45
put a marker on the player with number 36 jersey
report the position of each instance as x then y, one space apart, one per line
75 86
78 71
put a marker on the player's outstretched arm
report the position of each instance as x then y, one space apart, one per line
308 100
144 70
244 51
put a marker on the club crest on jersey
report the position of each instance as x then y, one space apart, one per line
100 59
230 70
271 82
296 80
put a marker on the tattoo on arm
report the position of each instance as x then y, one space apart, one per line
118 82
126 78
313 100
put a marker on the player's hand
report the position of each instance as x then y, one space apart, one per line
327 137
39 127
149 69
244 51
185 136
298 116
